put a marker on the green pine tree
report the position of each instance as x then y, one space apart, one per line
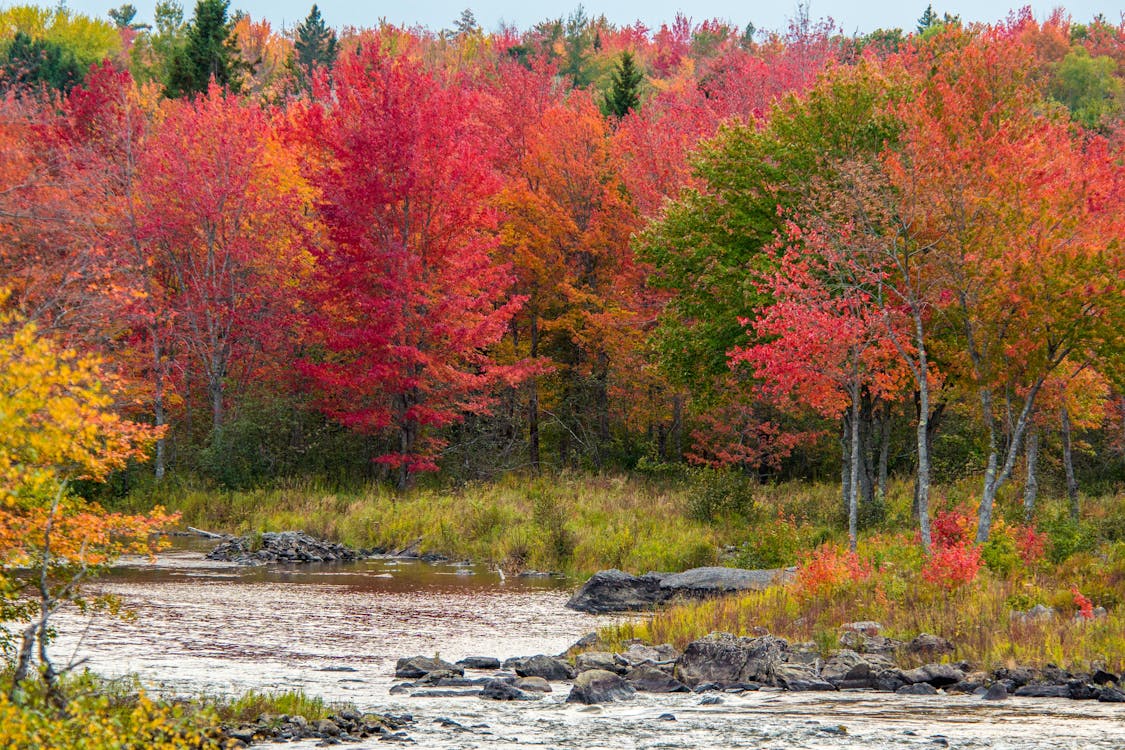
314 47
928 19
624 93
209 52
31 63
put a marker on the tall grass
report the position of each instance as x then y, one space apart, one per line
570 524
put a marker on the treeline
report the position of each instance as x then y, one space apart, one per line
389 251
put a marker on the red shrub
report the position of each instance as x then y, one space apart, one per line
1030 544
951 528
953 566
1085 606
828 569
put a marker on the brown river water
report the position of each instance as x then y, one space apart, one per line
336 631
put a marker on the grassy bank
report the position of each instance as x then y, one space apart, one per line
979 597
576 525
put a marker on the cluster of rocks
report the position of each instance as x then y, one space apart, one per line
721 662
281 547
345 726
617 591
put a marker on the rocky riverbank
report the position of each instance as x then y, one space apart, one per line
344 726
723 663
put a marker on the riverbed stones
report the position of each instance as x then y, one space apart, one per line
648 679
479 662
419 666
540 665
281 547
725 660
918 688
711 581
869 644
600 686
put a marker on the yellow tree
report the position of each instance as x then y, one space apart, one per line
56 425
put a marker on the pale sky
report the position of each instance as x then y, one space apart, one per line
438 14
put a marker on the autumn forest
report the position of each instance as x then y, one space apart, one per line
234 256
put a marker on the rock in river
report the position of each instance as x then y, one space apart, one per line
420 666
600 686
547 667
725 660
616 591
281 547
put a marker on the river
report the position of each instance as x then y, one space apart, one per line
336 631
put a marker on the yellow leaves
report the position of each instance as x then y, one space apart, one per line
55 421
95 724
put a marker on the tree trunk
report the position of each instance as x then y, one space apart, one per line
884 451
923 434
995 477
845 462
1031 486
215 389
1068 464
853 495
533 403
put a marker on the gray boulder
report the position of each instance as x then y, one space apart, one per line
918 688
597 660
547 667
600 686
1043 691
479 662
652 680
616 591
642 653
996 692
1111 695
938 675
704 582
533 685
499 690
723 659
419 666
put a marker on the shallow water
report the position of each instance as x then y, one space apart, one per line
336 631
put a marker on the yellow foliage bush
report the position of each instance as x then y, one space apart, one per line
95 724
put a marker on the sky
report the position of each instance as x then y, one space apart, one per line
851 16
